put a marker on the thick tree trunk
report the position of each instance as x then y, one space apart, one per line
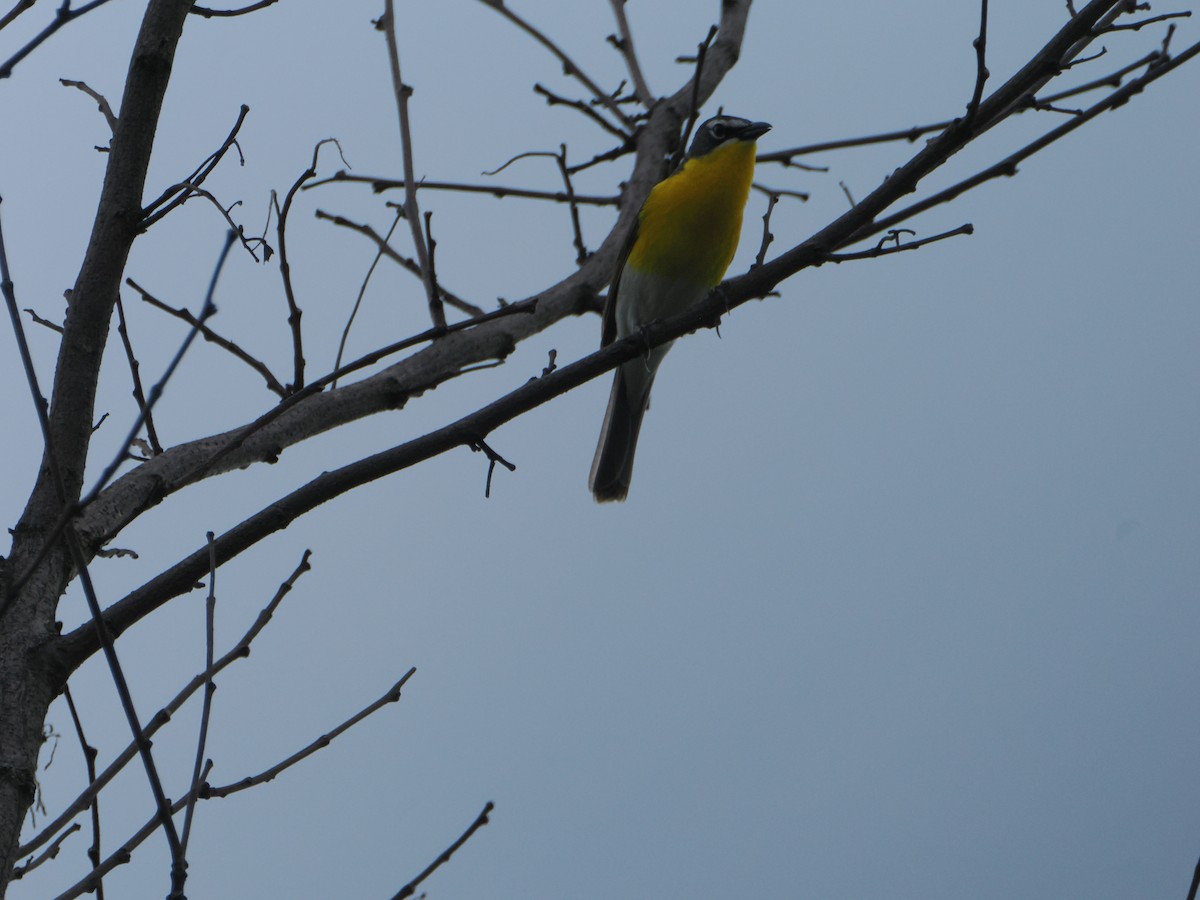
26 689
27 683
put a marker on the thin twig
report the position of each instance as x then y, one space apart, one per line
205 791
62 16
525 307
391 696
1142 23
135 373
74 548
802 196
553 99
89 757
387 25
285 268
9 17
479 445
187 191
181 191
362 289
767 237
241 650
624 149
210 612
570 67
101 101
785 157
482 819
581 251
1008 165
230 13
51 852
893 237
207 310
411 265
625 44
499 191
910 135
212 337
694 105
981 71
38 320
564 171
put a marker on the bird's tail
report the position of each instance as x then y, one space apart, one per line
612 469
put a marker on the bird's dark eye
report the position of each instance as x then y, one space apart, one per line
720 132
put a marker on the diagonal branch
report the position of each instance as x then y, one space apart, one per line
62 16
212 337
386 249
147 485
420 239
241 650
625 44
570 67
205 792
501 191
411 888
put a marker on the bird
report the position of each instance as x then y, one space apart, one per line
683 241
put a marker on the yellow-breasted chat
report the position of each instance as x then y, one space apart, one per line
686 234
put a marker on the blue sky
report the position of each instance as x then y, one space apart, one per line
904 599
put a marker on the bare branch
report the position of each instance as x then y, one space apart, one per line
695 102
893 236
135 373
553 99
241 650
181 191
981 72
1008 165
186 190
101 101
45 323
89 757
767 237
311 414
206 310
63 15
212 337
1142 23
9 17
387 25
285 267
391 696
210 611
79 560
479 445
411 888
381 244
564 172
570 68
124 854
51 852
386 249
384 184
230 13
625 45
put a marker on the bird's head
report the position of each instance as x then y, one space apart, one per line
721 130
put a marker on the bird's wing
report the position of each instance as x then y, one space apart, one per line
608 332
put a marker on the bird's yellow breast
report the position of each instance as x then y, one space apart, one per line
690 224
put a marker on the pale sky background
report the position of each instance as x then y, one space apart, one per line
905 599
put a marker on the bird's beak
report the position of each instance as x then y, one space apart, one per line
753 131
